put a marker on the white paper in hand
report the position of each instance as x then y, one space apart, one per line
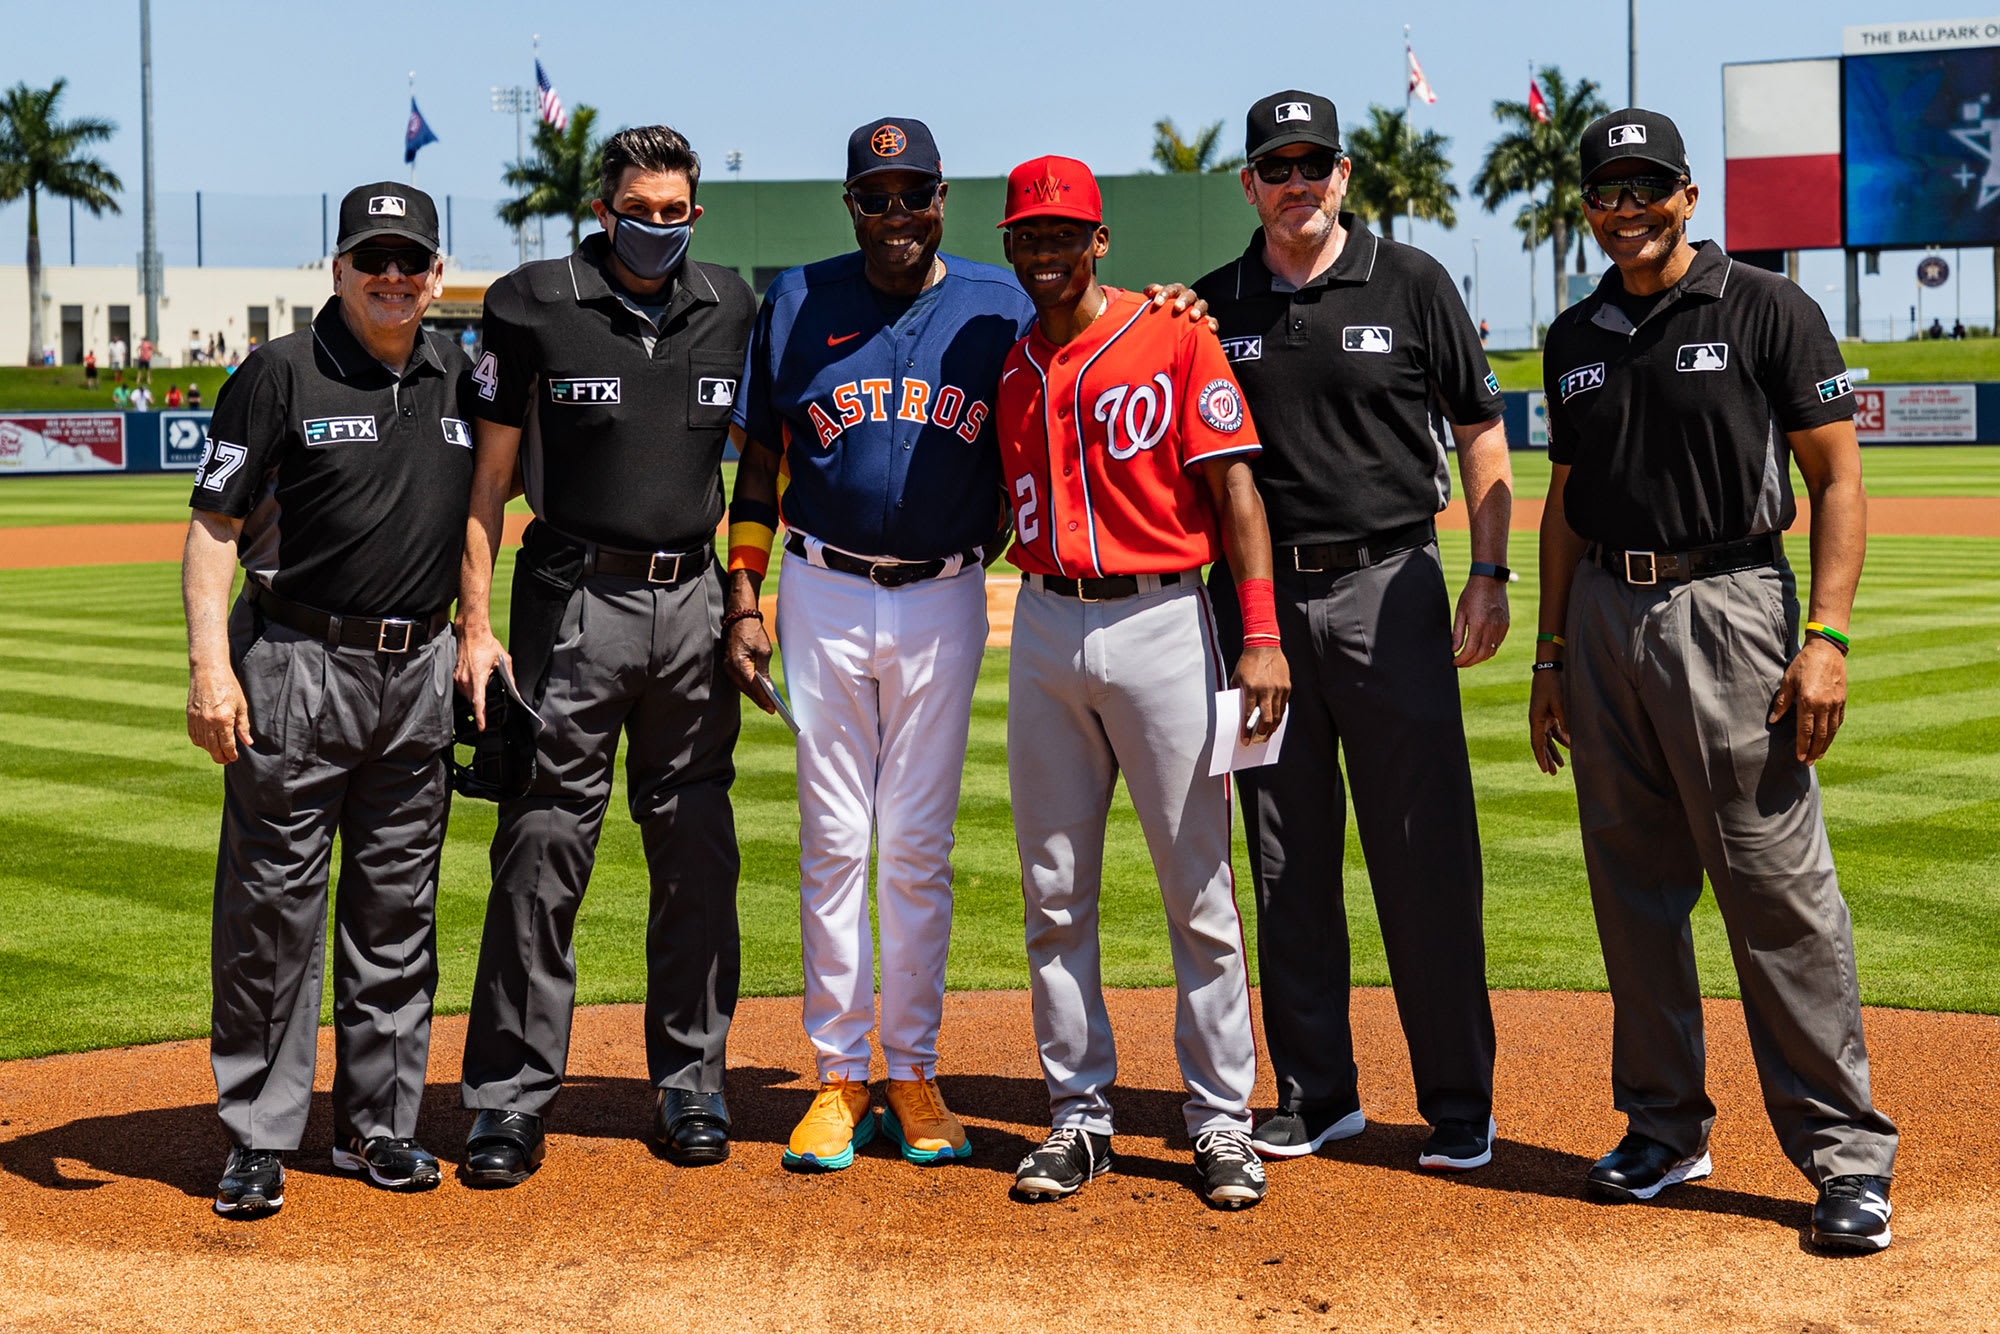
1230 751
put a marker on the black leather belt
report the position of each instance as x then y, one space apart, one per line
655 567
384 634
888 573
1097 590
1643 569
1371 550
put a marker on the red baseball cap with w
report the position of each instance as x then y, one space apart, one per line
1052 187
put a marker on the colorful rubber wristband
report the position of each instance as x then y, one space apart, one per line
1826 631
1546 638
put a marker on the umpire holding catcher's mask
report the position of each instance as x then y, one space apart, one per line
337 475
1670 654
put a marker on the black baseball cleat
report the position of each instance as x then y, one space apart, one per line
1852 1214
1640 1168
1296 1134
503 1149
1458 1146
1232 1176
397 1164
691 1128
253 1184
1068 1160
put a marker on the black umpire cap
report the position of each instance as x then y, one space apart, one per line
894 143
385 208
1633 133
1291 117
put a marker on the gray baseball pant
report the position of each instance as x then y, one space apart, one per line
1095 689
644 659
1373 683
1667 689
345 740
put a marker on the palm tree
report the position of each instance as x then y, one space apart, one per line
1534 158
38 155
1178 156
560 176
1395 175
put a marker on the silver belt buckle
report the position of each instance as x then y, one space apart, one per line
1305 569
1652 569
382 644
653 575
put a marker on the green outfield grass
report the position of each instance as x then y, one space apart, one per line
1973 359
61 388
108 822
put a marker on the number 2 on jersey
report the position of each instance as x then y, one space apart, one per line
1026 525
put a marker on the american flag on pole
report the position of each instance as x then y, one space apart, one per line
552 112
1419 86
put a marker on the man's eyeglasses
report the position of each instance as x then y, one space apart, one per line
375 260
1312 166
874 203
1646 191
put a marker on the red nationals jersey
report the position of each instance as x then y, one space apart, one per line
1099 438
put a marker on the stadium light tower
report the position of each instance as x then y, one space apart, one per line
517 100
149 256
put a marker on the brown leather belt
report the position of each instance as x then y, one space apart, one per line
1642 569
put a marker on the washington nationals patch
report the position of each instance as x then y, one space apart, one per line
1221 405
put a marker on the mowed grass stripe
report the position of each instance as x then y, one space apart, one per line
107 847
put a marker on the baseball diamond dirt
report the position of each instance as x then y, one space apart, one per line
107 1160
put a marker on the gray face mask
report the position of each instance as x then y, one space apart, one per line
651 250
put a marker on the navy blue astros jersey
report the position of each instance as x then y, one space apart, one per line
882 406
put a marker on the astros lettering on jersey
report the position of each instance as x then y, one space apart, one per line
1098 439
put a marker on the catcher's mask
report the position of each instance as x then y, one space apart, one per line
503 756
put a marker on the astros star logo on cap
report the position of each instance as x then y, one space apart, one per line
889 141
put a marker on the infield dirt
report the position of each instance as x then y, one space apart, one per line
107 1160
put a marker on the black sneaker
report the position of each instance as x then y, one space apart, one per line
1458 1146
1641 1167
253 1184
399 1164
1296 1134
1068 1160
1231 1175
1852 1214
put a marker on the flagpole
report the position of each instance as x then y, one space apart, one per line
413 102
1534 321
1409 140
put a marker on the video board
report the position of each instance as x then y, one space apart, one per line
1921 148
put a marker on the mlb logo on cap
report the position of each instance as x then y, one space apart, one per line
386 206
1294 111
1626 134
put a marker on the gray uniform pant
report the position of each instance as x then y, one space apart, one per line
1093 689
345 740
1667 689
643 659
1372 681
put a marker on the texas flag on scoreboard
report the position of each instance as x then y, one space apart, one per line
1781 155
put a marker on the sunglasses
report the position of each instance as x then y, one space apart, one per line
1313 166
1647 191
873 203
375 260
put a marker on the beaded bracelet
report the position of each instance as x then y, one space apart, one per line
741 614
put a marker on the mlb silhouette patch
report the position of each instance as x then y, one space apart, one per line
386 206
1294 111
1367 338
1626 134
716 392
456 432
1702 357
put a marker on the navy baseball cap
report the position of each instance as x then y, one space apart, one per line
894 143
1633 133
1290 117
387 209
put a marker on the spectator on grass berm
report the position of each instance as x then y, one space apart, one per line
194 395
1355 354
1936 330
1669 659
173 395
142 398
336 474
608 376
90 369
194 347
1957 330
121 397
118 351
145 361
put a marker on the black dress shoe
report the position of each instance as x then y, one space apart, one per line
1640 1168
1852 1214
691 1128
503 1149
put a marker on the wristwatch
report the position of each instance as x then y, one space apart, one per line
1492 571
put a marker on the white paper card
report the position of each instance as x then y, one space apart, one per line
1231 752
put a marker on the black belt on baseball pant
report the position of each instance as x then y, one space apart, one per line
1098 590
1318 558
888 573
384 634
655 567
1642 569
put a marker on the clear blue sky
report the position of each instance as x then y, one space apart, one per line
264 98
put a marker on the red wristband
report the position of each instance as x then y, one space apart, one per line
1260 609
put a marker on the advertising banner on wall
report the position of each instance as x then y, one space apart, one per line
1922 148
182 436
1538 419
62 442
1916 414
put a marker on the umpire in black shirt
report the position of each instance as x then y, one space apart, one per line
1355 354
337 470
1670 656
609 376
